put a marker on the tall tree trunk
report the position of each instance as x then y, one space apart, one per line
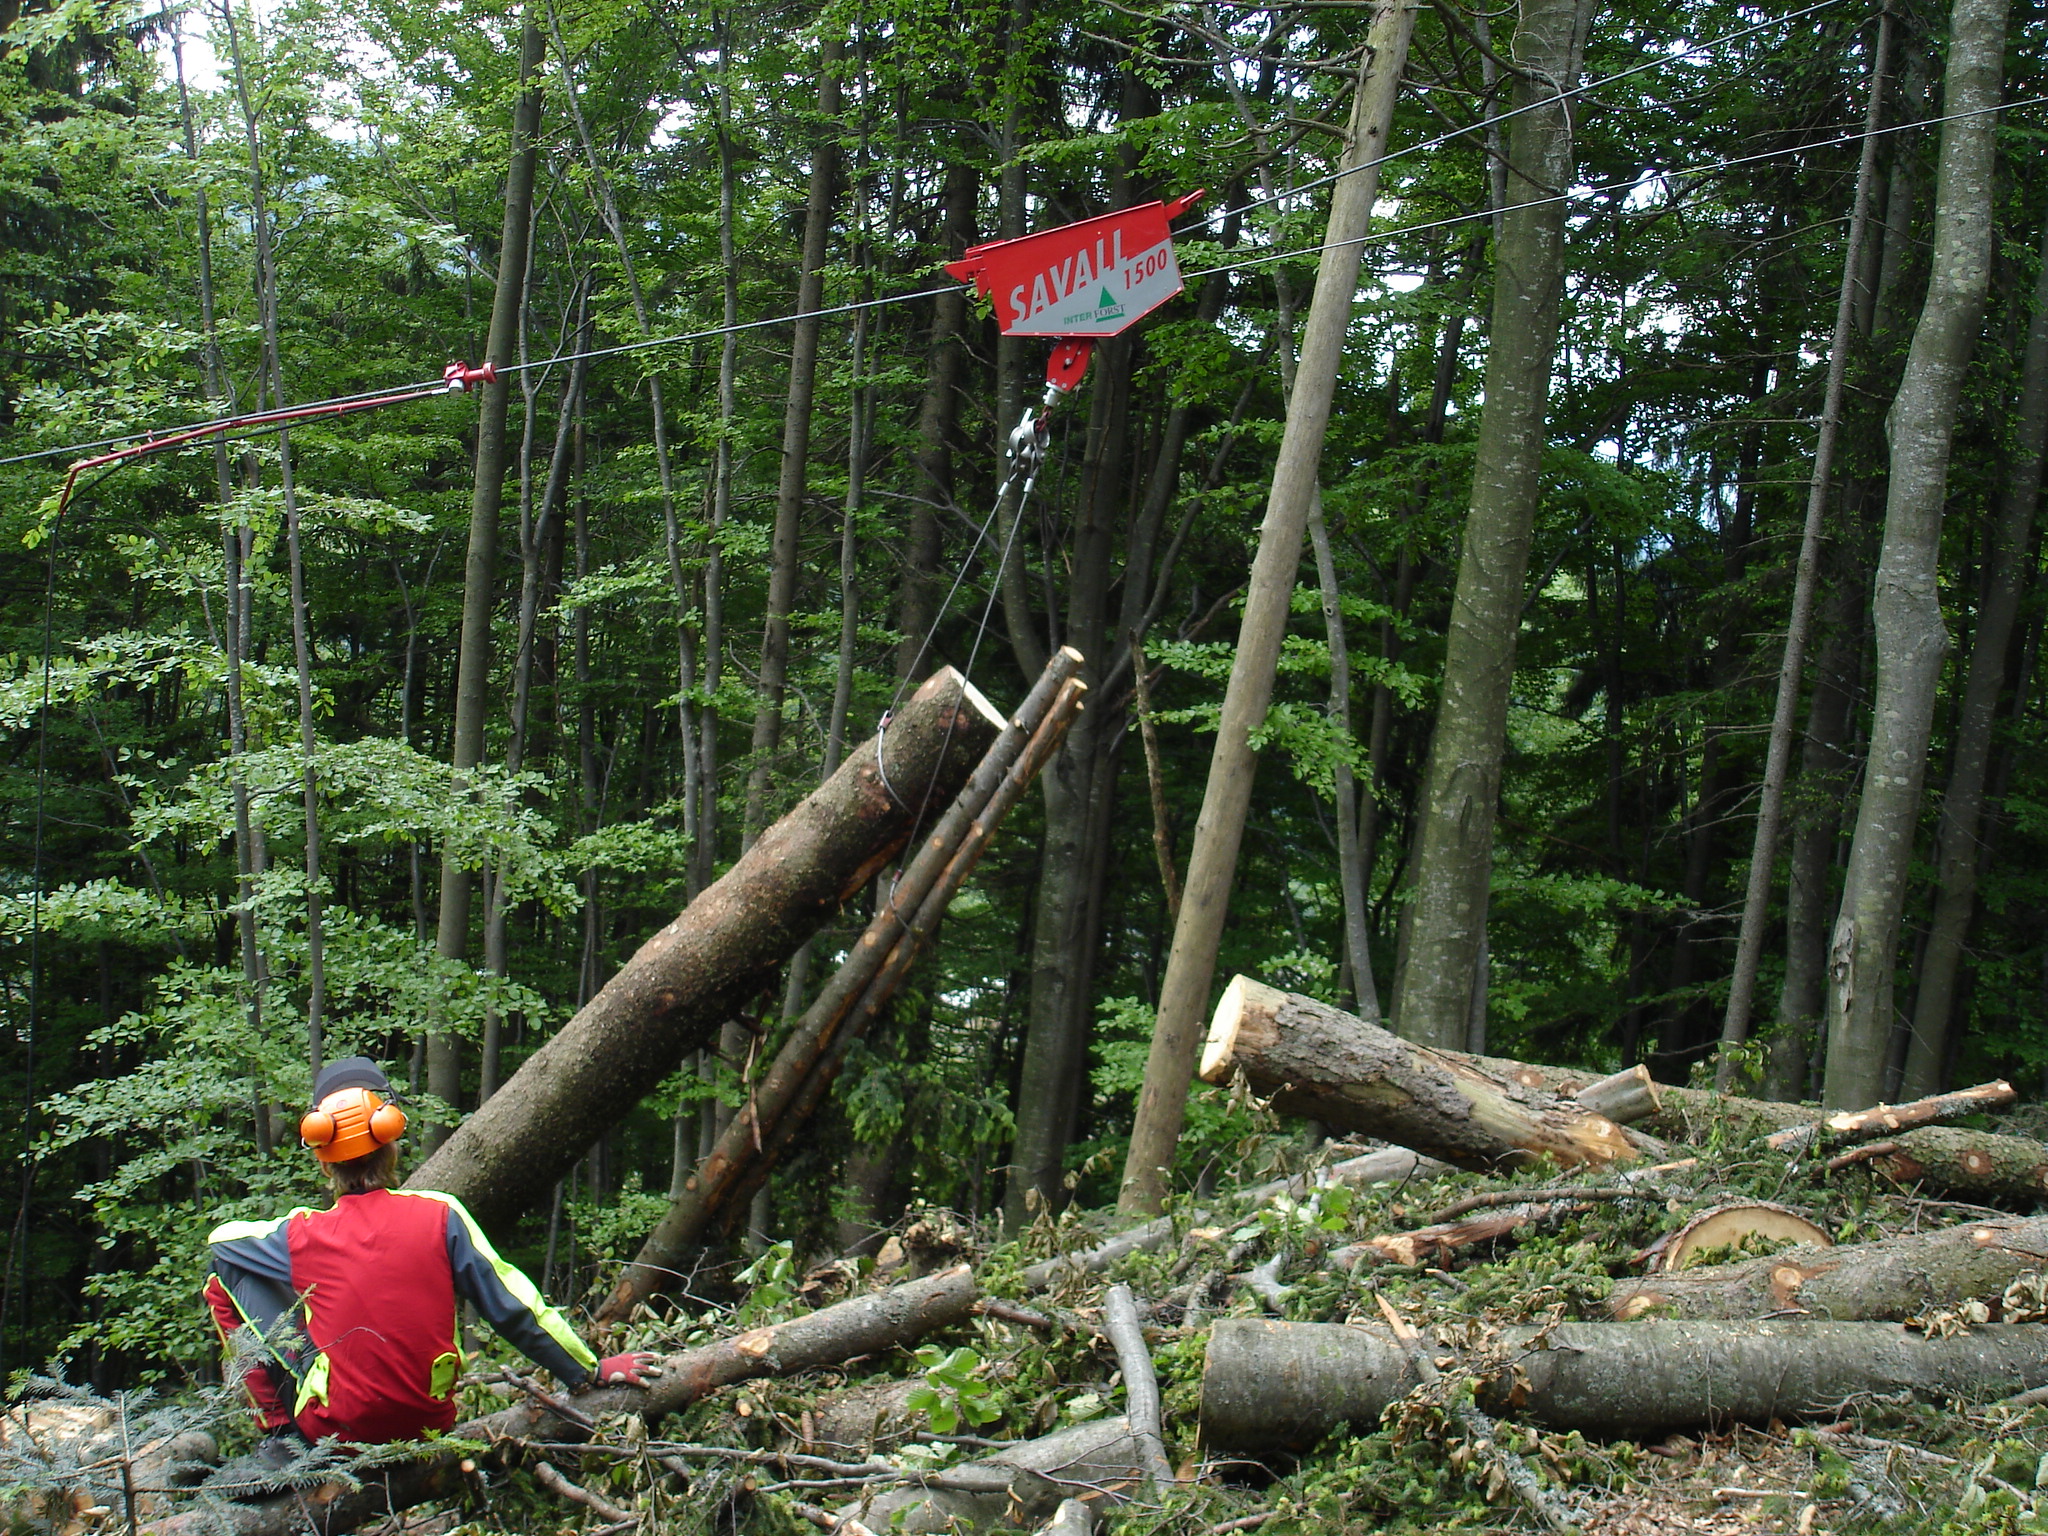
235 539
1191 964
1817 820
784 563
302 649
1778 757
1911 637
480 567
1959 848
1454 851
1063 928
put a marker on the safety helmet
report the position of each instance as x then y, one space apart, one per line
352 1115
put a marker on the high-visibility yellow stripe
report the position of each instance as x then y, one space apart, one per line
514 1280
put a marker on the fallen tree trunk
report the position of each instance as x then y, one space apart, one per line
1958 1162
864 984
865 1325
1328 1065
702 968
1899 1277
1095 1462
1890 1119
1283 1386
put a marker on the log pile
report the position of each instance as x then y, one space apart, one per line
1536 1264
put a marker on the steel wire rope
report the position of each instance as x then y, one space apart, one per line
1500 117
1589 193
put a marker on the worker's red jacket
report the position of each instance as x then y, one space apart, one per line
373 1354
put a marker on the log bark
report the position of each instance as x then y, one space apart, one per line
1327 1065
1958 1162
1276 1386
670 998
1096 1462
1888 1119
865 1325
1895 1278
1625 1097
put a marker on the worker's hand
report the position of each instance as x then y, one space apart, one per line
635 1368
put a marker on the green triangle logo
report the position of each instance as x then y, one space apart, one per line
1105 302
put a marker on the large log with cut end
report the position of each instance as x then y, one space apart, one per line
864 1325
1898 1277
700 970
1271 1385
1332 1066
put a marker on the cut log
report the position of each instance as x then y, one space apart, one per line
1435 1244
1950 1161
865 1325
865 983
1096 1462
1898 1277
1072 1518
1328 1065
1283 1386
1890 1119
1625 1097
1728 1226
702 968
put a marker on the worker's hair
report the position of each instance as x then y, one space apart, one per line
360 1175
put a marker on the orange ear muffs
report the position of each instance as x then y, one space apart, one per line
387 1123
351 1123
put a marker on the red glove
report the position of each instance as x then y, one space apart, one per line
635 1368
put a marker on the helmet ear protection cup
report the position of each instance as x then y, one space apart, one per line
351 1123
387 1123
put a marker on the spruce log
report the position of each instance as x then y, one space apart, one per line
1098 1461
1282 1386
1958 1162
701 969
1328 1065
864 1325
1890 1119
1898 1277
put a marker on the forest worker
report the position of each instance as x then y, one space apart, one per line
374 1281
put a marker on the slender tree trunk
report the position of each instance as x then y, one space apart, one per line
1191 964
1778 759
1454 851
479 576
234 541
1817 823
1350 858
1911 637
302 650
784 562
937 417
1959 846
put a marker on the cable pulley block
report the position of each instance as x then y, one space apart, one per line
459 377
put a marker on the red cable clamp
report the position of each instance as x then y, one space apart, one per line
458 377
